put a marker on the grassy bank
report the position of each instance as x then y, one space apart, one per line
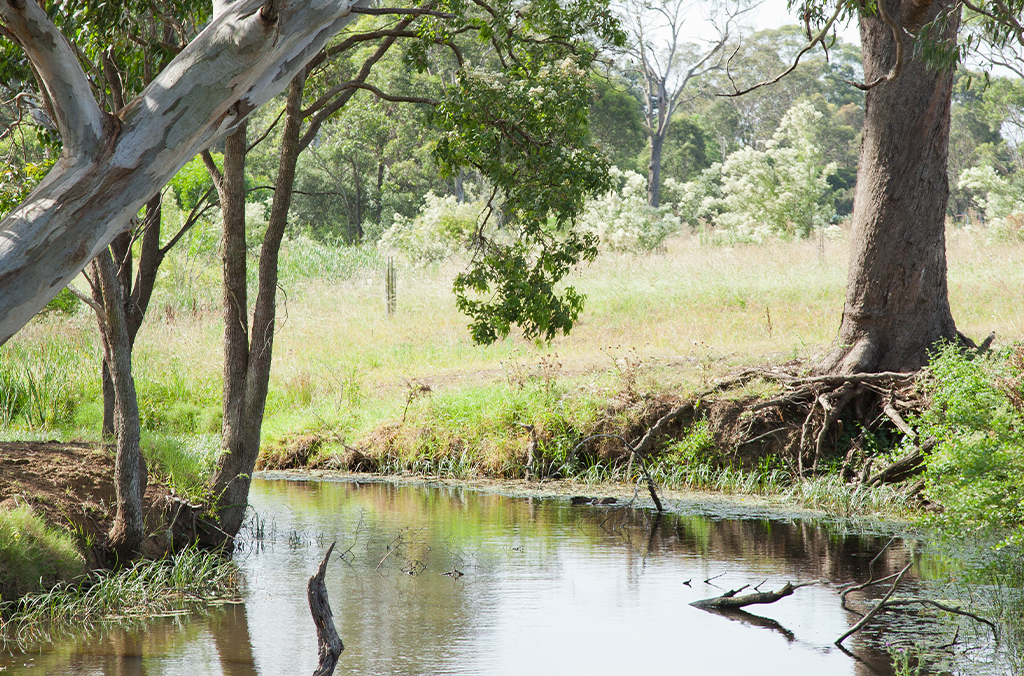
414 392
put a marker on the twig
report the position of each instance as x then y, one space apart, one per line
874 611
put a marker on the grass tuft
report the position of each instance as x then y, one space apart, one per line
193 579
34 556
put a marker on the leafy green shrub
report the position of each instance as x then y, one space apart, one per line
32 555
977 470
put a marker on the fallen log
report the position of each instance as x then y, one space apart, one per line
328 642
730 600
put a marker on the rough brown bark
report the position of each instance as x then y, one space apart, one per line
247 355
897 304
128 529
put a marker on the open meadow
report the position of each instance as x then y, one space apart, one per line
664 323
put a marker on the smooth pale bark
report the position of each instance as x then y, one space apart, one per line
111 165
897 302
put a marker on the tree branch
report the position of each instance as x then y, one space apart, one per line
83 126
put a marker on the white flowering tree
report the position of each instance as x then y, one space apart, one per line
622 219
782 189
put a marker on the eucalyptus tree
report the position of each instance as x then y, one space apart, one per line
518 116
522 125
668 65
121 47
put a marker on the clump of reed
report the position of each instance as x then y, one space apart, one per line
192 579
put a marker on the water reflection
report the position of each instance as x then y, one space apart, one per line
450 581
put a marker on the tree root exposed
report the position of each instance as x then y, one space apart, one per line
805 424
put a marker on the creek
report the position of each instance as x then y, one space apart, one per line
441 580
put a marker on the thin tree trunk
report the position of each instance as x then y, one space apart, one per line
128 530
137 295
247 364
654 170
897 303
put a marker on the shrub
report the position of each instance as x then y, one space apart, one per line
622 219
976 472
32 555
442 227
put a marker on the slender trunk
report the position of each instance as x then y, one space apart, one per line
654 171
136 296
897 303
128 530
247 365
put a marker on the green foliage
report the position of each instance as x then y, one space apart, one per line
17 181
37 383
526 131
192 181
64 303
186 462
33 556
977 470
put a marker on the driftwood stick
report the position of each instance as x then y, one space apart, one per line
632 454
328 641
730 600
874 611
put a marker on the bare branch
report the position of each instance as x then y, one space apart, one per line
817 39
898 34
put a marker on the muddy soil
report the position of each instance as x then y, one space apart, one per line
70 485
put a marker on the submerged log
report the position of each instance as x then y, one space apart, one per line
328 642
730 600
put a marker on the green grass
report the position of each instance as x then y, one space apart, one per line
191 580
666 322
32 555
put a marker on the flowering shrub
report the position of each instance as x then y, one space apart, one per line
623 221
442 227
781 190
999 199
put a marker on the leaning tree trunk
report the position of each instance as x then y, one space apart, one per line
110 165
897 304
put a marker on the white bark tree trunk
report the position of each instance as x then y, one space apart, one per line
111 165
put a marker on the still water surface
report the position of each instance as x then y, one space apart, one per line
453 581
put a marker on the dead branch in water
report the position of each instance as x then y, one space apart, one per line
888 602
730 600
632 454
328 642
